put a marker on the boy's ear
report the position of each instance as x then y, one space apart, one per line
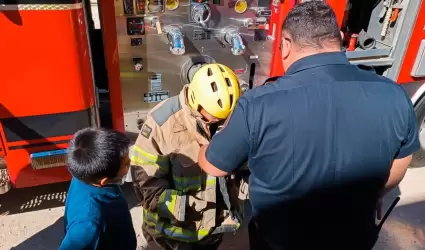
103 181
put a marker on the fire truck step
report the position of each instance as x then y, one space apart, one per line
48 159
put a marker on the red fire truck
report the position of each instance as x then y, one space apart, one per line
59 74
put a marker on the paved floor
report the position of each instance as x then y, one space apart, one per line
32 219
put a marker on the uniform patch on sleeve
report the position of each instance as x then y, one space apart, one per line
146 131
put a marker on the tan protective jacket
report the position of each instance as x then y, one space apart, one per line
178 198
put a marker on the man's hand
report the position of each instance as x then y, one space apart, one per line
379 208
397 172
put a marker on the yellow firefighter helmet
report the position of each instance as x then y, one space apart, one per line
215 88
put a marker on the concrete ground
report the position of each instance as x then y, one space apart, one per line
32 219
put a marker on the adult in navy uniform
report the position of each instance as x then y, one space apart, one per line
323 143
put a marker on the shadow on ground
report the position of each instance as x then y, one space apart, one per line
404 227
33 199
47 239
404 230
44 197
24 200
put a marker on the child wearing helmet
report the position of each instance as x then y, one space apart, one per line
183 207
214 91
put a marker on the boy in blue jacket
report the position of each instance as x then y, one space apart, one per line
96 212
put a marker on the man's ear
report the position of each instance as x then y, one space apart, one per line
286 47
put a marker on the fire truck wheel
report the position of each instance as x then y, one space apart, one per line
5 184
419 157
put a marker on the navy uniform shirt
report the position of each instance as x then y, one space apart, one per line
319 143
97 218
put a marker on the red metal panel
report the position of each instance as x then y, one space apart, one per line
110 44
45 69
409 59
277 20
21 173
276 67
2 148
45 64
339 8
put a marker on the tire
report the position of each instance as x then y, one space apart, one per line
419 157
5 184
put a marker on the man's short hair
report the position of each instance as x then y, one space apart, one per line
312 24
96 153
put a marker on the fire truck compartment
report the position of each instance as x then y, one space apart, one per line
161 42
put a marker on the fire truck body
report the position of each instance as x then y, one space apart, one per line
59 75
47 87
160 51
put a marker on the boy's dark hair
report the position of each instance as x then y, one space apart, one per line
96 153
313 24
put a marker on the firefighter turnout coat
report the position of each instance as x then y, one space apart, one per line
179 200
